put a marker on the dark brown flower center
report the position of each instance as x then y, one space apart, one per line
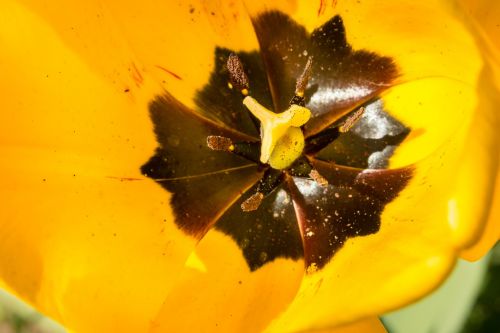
336 189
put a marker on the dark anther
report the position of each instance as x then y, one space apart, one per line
237 76
253 202
318 178
215 142
351 120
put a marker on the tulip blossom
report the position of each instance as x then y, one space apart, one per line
210 166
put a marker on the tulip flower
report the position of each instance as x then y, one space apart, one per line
210 166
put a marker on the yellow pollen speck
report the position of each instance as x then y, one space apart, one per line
312 268
282 138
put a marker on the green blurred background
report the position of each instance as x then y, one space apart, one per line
469 302
485 315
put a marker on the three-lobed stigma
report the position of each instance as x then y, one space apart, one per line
282 140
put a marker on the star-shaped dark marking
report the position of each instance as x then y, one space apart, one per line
299 218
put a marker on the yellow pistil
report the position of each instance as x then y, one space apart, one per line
281 136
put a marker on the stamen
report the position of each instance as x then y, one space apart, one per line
351 120
253 202
302 81
237 76
248 150
301 85
318 178
215 142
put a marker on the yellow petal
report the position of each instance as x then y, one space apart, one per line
490 234
483 169
217 291
173 41
483 19
85 237
180 37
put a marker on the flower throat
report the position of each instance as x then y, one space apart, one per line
283 146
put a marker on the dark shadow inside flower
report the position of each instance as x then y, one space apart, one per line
339 186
